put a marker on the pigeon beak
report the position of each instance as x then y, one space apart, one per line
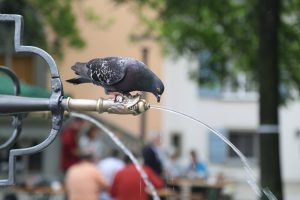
158 98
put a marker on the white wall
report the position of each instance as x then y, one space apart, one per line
290 142
181 94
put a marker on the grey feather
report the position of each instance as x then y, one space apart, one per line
106 71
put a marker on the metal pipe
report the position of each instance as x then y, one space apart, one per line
17 104
70 104
126 104
143 124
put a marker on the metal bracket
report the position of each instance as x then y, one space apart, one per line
56 95
17 119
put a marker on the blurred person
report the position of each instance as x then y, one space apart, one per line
128 183
69 144
153 155
173 167
84 181
90 143
109 167
197 168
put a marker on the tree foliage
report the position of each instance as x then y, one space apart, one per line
57 15
229 31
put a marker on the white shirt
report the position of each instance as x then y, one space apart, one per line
95 146
109 167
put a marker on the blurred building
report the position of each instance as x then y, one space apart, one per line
111 36
107 34
234 113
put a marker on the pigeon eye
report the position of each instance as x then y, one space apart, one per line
158 89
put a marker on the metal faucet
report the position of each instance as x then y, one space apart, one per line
121 104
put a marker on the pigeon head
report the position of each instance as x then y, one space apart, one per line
149 81
158 88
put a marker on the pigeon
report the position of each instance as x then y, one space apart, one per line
118 75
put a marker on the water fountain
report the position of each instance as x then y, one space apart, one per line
16 106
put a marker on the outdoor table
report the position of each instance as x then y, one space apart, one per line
197 189
40 192
166 193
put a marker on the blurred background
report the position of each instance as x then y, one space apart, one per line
233 65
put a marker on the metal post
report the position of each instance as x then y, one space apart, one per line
143 121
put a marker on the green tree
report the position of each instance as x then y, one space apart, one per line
259 38
57 15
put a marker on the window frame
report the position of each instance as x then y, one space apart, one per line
217 147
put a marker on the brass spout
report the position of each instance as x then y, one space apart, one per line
121 104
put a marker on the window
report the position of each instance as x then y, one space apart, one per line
217 147
22 65
210 86
213 83
29 67
245 141
176 142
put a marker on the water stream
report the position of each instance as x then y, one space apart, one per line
119 143
251 180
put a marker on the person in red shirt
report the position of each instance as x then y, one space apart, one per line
128 183
70 150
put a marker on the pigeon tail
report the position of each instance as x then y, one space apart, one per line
78 80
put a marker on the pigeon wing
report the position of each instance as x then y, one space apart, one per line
106 72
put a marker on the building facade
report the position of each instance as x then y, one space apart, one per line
234 114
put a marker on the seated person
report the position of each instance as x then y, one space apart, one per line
197 168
